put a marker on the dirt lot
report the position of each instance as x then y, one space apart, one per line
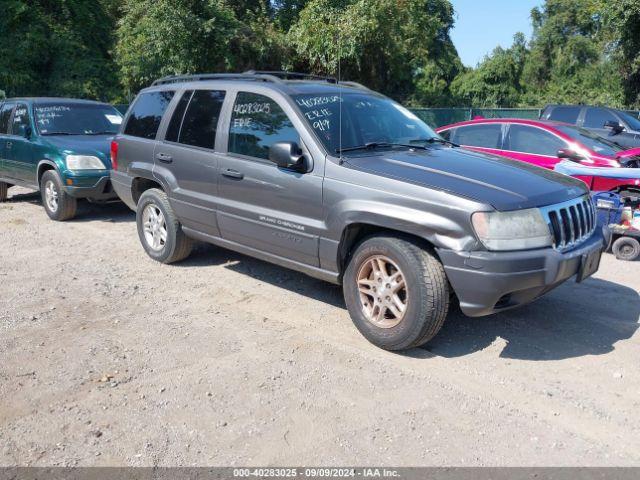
107 358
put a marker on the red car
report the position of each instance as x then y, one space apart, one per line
546 143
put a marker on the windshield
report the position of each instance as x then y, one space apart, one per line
76 119
366 119
592 141
630 120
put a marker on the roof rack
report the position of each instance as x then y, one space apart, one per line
216 76
292 75
254 75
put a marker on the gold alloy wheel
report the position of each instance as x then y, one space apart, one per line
383 291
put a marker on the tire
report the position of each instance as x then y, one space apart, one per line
425 296
174 245
626 248
4 188
59 205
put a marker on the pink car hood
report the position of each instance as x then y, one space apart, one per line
632 152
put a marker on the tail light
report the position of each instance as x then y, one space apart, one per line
114 155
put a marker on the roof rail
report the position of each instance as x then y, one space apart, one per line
216 76
292 75
254 75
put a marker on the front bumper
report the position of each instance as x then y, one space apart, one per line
93 187
490 282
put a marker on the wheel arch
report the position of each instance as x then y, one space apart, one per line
354 233
43 166
139 185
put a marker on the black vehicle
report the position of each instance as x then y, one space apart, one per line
339 182
618 126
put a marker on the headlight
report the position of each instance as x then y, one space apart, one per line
518 230
84 162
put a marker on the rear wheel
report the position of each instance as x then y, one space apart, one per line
159 230
397 293
4 188
58 204
626 248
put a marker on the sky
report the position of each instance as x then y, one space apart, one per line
482 25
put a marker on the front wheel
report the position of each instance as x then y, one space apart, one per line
159 230
59 205
396 292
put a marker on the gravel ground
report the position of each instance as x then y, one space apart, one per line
108 358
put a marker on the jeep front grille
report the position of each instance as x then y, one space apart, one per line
570 223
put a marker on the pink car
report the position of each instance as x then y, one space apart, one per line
546 143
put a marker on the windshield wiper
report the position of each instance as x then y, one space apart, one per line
99 133
61 133
374 145
435 140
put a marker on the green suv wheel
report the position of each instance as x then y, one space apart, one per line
397 293
159 230
4 188
58 204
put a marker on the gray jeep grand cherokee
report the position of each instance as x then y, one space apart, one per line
343 184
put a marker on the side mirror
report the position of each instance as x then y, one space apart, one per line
614 126
569 155
288 155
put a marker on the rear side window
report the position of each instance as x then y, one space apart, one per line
597 117
565 114
5 115
20 121
487 135
173 131
146 114
257 122
522 138
201 119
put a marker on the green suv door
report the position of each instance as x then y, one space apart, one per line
6 109
19 155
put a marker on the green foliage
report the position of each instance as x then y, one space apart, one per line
581 51
399 47
60 48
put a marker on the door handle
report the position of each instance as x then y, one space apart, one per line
164 158
9 144
233 174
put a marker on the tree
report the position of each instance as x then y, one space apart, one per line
622 20
169 37
61 48
401 48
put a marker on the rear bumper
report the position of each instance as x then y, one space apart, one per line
490 282
95 188
122 184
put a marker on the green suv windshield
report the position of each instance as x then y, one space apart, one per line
365 119
76 119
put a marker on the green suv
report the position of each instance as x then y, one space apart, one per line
60 147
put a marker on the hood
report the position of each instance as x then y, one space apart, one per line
632 152
96 145
496 181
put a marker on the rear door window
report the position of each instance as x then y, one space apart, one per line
20 121
146 114
597 117
200 121
522 138
5 115
565 114
257 122
485 135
